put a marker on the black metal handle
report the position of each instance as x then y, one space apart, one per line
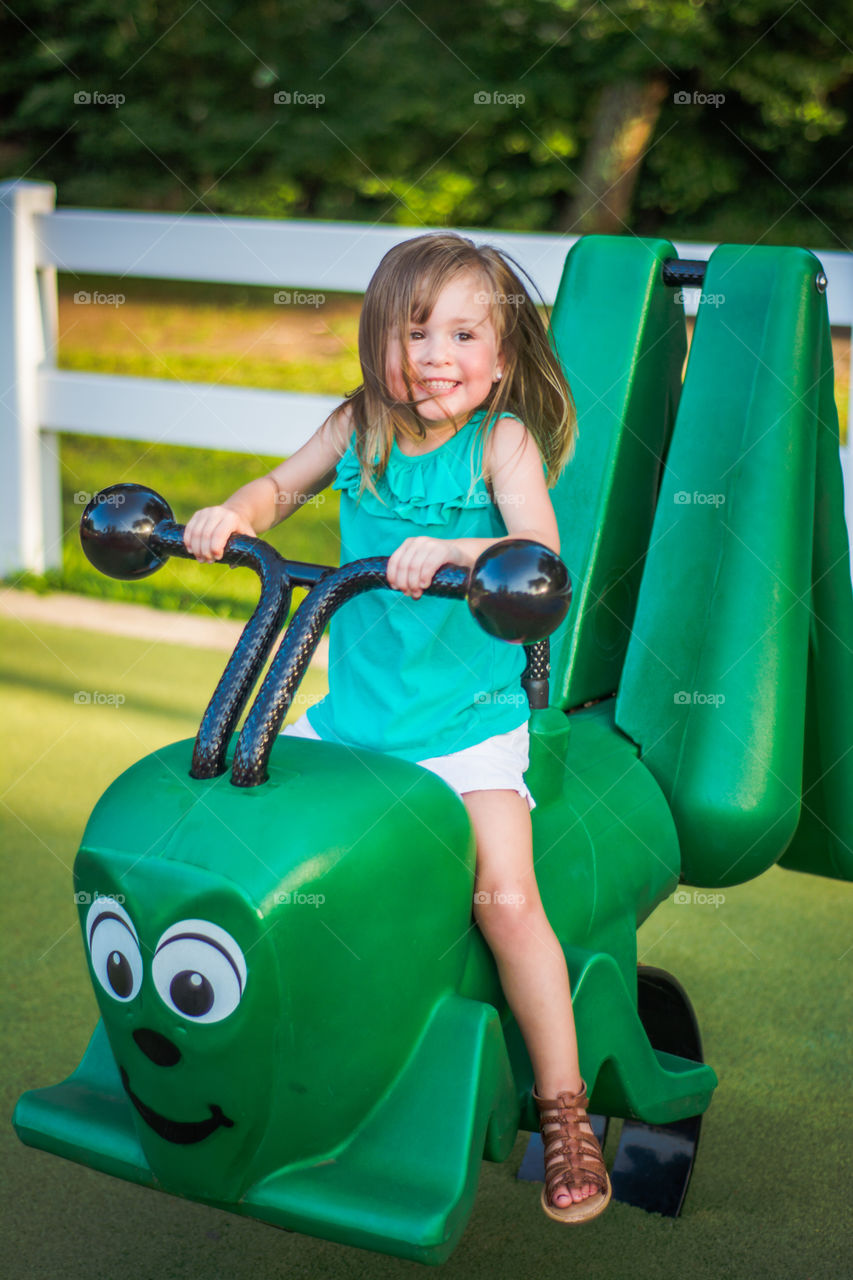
251 650
127 532
273 700
517 590
689 273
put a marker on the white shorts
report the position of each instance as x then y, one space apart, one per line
497 764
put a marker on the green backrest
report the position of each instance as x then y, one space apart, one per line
745 613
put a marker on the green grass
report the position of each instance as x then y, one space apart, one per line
768 972
229 334
267 374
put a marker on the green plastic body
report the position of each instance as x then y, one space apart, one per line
371 1061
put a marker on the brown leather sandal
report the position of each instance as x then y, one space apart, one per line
572 1157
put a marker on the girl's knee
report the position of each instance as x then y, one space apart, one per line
505 912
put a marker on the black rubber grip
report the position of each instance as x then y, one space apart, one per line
534 678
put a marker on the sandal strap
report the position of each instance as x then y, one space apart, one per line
572 1158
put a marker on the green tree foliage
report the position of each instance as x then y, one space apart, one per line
478 114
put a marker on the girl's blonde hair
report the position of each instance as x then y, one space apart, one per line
403 291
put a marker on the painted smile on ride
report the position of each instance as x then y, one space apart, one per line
181 1131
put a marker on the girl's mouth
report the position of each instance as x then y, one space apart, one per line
437 386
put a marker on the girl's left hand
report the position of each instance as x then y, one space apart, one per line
415 562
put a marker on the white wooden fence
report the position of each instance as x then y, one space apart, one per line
37 400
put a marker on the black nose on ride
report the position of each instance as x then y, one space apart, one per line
115 530
162 1052
519 591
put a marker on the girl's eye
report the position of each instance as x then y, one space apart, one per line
415 333
464 335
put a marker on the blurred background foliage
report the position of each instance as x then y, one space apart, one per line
584 129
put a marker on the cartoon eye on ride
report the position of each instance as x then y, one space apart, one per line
199 971
114 947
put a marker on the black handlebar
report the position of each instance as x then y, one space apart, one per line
517 590
128 532
297 648
252 649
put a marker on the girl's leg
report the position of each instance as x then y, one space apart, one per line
529 958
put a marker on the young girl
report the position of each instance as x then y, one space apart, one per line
462 421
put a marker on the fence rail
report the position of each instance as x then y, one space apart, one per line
37 400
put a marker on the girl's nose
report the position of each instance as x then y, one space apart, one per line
437 352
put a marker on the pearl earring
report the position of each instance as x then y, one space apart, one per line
498 376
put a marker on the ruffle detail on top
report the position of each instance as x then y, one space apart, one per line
424 493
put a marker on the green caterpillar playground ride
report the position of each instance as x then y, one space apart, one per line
299 1023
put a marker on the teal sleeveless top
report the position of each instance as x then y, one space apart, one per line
417 678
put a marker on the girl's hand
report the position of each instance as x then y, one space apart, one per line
415 562
207 532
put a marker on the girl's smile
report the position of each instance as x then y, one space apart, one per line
454 355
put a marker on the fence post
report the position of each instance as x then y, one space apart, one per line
30 496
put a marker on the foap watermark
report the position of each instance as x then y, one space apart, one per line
82 498
683 498
289 500
701 299
95 698
699 898
487 98
296 98
85 98
507 899
499 299
291 298
501 698
299 899
83 898
83 298
696 699
304 699
697 99
486 499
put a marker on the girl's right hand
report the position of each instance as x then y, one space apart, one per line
207 531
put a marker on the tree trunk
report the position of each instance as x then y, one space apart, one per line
624 120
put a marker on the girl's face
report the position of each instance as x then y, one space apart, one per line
454 355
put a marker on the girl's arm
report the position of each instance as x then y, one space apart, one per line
513 464
263 503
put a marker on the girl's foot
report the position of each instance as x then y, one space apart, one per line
576 1183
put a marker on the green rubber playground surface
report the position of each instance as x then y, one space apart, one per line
768 966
